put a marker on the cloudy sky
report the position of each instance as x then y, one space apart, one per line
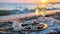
25 1
17 1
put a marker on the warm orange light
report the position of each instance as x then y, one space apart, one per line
43 0
37 11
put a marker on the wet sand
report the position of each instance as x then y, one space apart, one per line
20 16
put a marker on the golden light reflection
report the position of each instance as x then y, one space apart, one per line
45 26
37 10
43 0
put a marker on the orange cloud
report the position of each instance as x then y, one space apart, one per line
26 1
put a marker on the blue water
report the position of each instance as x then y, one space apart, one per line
54 26
22 5
17 5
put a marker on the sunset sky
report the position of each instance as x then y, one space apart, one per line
26 1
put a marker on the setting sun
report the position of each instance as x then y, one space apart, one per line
43 0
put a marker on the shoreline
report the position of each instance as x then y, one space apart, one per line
26 15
